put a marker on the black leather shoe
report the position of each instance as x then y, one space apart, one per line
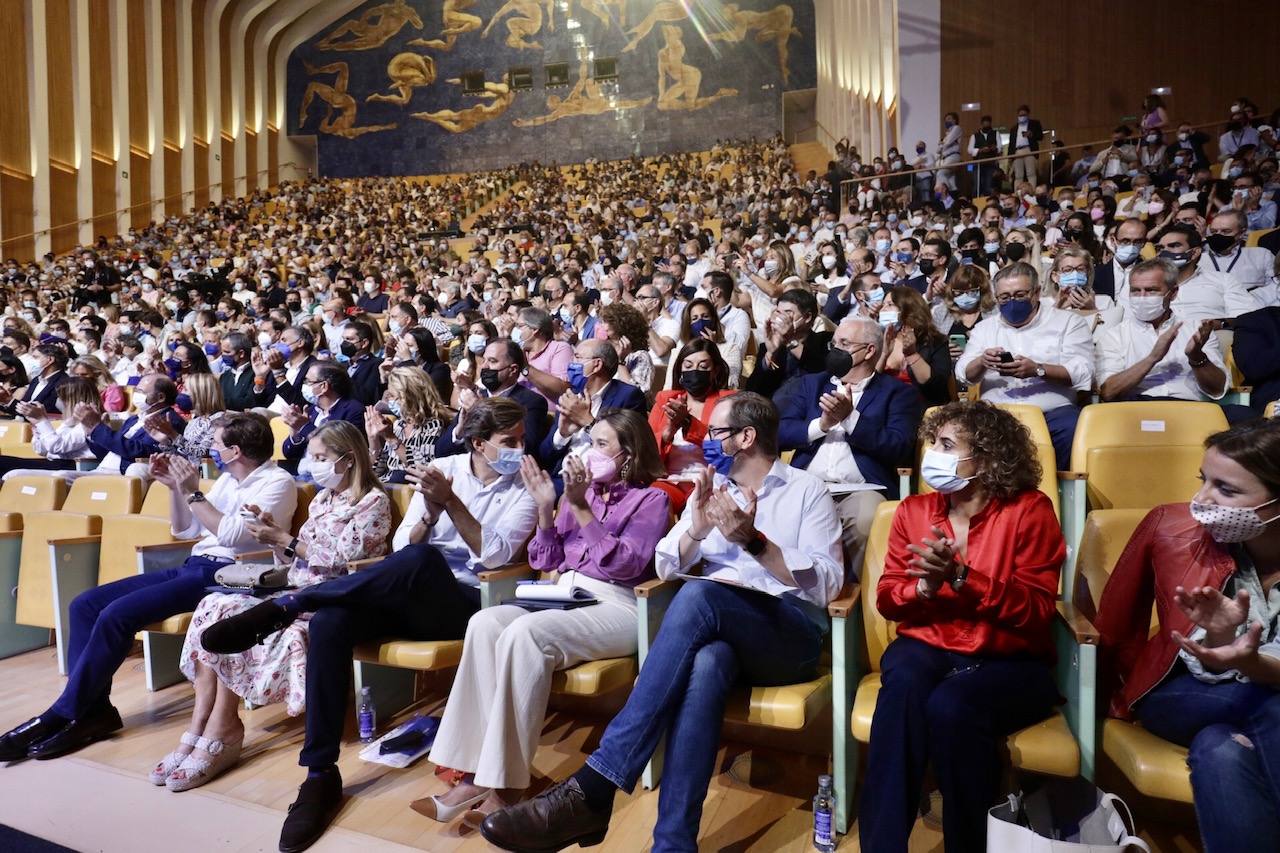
245 630
319 801
78 734
555 819
14 744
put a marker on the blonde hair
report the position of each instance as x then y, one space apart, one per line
1049 286
345 440
101 376
419 399
205 393
73 391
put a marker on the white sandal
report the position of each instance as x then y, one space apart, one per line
173 760
194 772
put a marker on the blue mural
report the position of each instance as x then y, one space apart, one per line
406 87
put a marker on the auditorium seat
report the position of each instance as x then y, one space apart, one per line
18 496
1132 455
1062 745
1152 765
279 432
1254 237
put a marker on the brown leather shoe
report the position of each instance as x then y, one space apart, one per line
557 818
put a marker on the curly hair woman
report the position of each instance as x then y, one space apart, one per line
625 327
970 576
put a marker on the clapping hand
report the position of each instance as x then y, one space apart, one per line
1195 346
433 485
835 408
86 415
159 428
575 408
183 475
263 527
700 521
736 524
677 412
576 480
1221 617
935 559
539 485
259 363
32 411
295 417
1165 342
375 425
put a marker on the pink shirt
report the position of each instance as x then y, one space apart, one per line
553 359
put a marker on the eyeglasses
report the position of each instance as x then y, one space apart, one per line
851 348
721 433
1019 296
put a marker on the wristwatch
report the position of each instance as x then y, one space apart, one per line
290 550
1040 370
757 544
962 575
196 497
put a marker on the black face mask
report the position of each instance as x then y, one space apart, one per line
1220 243
489 379
1071 235
348 349
927 266
696 382
838 362
1014 251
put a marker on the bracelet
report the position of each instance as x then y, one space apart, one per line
1196 365
692 538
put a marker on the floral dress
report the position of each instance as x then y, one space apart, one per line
335 533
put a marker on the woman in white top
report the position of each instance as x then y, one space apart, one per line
1069 285
769 281
832 270
61 445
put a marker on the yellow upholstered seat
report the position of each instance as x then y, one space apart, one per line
789 706
279 432
1154 766
173 625
1255 236
123 534
413 654
594 677
29 494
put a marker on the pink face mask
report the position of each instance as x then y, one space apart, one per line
1096 214
1155 207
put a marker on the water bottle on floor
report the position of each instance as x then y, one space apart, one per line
824 808
367 715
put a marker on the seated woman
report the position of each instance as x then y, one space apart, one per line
420 416
416 347
679 417
60 446
701 321
626 328
602 540
971 577
1208 679
204 394
914 351
966 300
1069 286
348 520
91 368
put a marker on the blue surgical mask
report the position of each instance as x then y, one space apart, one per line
1074 278
395 408
882 246
697 326
476 343
938 469
217 459
228 361
508 461
968 300
1127 253
1016 311
875 295
713 452
577 379
309 393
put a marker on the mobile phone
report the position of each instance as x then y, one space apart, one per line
958 341
1006 357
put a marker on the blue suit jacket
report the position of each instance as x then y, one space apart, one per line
351 411
535 424
48 395
836 309
1256 349
889 414
366 384
130 448
617 395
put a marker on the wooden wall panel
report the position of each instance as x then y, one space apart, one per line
104 198
62 196
16 213
228 172
251 161
16 185
1085 66
139 118
169 78
273 157
100 119
61 109
173 199
202 174
200 102
139 189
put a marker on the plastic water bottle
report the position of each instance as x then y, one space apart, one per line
824 807
367 716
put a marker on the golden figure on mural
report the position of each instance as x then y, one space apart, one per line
773 25
500 97
682 92
526 20
338 101
600 8
456 21
586 99
408 71
373 28
663 12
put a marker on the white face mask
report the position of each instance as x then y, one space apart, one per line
1229 524
325 473
1146 308
829 261
938 469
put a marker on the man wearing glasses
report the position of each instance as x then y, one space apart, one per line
664 330
1031 353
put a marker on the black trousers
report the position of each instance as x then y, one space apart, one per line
14 463
411 595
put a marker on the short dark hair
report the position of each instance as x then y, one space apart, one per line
306 340
943 247
409 310
57 353
747 409
514 351
1188 231
238 341
362 329
19 336
1255 446
167 389
721 281
490 415
802 299
334 375
249 432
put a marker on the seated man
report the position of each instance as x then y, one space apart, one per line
1227 253
500 367
1202 294
50 372
133 441
327 391
852 427
471 513
1032 353
1149 354
1256 348
242 387
592 389
791 347
105 619
760 524
362 365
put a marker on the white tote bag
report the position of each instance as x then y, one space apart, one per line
1063 817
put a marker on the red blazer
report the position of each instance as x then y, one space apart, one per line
1168 549
695 432
1006 607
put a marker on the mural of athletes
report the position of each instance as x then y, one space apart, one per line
409 87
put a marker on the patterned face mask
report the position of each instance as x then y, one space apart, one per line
1228 524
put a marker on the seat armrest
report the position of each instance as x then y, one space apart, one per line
357 565
1077 624
845 602
514 571
1072 475
657 589
255 556
498 585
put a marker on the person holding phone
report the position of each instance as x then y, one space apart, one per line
680 415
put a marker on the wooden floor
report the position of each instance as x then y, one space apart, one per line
771 814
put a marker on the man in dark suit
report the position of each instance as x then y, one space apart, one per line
1256 349
362 364
327 391
241 387
132 442
984 143
290 372
791 347
592 390
51 363
1126 242
501 365
1024 142
840 300
852 427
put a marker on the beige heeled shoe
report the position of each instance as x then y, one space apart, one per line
171 762
436 809
194 772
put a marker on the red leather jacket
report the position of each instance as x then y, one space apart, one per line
1168 549
1007 604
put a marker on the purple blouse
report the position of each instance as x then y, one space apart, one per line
617 547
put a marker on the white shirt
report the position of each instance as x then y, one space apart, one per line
1249 265
795 512
736 325
695 271
1120 275
667 327
110 463
1212 296
504 509
834 462
269 487
67 441
1124 344
1053 336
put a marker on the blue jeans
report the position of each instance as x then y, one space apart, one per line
1232 734
1062 432
954 710
105 619
712 635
